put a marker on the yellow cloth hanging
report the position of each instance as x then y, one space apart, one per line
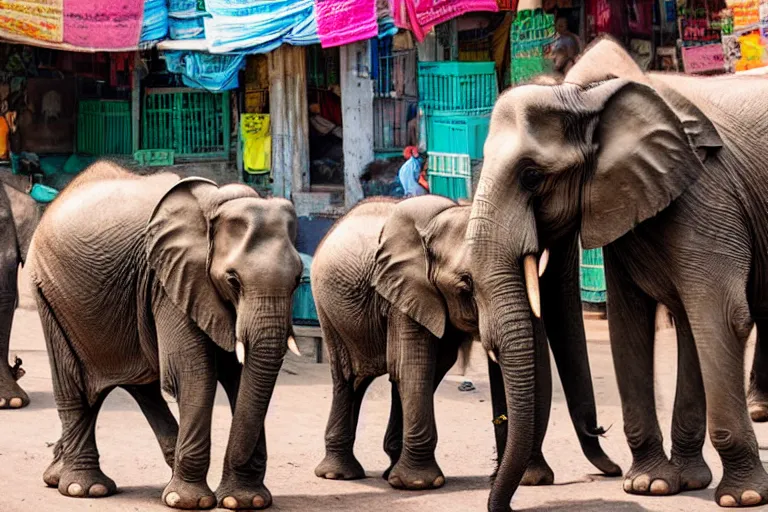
257 143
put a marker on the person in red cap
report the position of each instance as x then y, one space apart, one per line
413 173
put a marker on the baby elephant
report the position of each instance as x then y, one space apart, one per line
152 282
394 296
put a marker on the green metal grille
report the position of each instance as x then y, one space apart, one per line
104 127
190 122
593 287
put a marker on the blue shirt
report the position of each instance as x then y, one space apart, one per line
409 177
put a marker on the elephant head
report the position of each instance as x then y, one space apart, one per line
226 257
596 154
421 265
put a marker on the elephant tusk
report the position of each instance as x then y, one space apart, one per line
543 262
532 284
492 355
240 351
293 346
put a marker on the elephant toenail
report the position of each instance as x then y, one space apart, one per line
659 487
439 481
206 502
331 476
172 499
750 498
628 485
395 481
258 502
418 484
75 490
641 483
97 490
229 502
16 402
726 500
2 402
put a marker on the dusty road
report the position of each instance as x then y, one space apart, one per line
295 426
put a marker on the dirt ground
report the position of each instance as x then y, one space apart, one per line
295 427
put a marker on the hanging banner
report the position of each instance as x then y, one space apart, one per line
257 143
93 25
531 38
42 20
703 59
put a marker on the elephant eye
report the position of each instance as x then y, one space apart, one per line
465 283
531 179
234 282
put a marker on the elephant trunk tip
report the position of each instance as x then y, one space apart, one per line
597 431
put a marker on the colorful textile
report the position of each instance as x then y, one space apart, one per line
341 22
214 73
86 24
257 143
419 16
103 24
155 24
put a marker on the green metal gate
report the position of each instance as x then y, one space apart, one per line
190 122
104 127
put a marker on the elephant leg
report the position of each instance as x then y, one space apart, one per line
757 399
393 440
188 372
412 360
632 327
159 416
11 395
720 322
689 421
75 467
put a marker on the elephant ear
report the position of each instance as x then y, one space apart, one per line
178 243
646 157
401 272
602 60
25 215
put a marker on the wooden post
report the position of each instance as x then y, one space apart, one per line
136 105
357 118
289 118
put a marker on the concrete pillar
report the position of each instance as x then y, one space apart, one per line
289 117
357 117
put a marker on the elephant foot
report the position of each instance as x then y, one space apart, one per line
11 395
749 492
412 477
52 474
340 467
757 403
86 483
538 473
661 478
694 472
188 495
236 496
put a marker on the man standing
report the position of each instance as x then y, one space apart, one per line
411 174
566 46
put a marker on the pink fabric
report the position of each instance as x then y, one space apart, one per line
419 16
341 22
103 24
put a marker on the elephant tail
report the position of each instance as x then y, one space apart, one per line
465 352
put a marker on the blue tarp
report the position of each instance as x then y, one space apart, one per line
155 24
214 73
259 26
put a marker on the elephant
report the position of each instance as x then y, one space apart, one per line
157 284
667 173
18 218
394 296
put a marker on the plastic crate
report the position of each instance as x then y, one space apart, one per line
154 157
450 175
593 288
188 121
104 127
457 86
304 310
450 133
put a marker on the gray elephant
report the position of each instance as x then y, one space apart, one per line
394 296
151 283
669 174
18 219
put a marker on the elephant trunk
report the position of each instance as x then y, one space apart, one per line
506 325
263 329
